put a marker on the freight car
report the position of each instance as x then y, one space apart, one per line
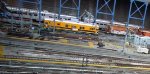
79 27
120 28
34 14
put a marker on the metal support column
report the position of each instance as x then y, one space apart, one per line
40 8
37 3
12 20
3 9
131 15
100 10
139 10
20 13
62 4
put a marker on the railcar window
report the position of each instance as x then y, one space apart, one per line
58 23
50 17
97 23
81 28
46 22
92 28
73 26
14 12
26 13
35 14
67 25
30 14
23 13
49 22
101 24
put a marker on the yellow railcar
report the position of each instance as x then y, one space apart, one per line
72 26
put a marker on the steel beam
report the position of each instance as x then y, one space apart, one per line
37 3
20 14
62 4
99 9
4 10
39 9
139 10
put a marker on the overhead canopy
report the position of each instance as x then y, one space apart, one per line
144 0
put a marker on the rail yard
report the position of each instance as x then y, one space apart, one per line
71 37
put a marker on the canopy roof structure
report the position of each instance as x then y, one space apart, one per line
144 1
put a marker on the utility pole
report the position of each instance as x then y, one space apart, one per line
125 40
54 16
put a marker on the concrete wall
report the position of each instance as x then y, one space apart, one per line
121 12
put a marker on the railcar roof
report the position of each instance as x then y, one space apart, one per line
102 21
131 25
81 23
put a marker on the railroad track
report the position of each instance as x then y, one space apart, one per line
85 70
47 51
55 35
81 62
72 63
83 55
